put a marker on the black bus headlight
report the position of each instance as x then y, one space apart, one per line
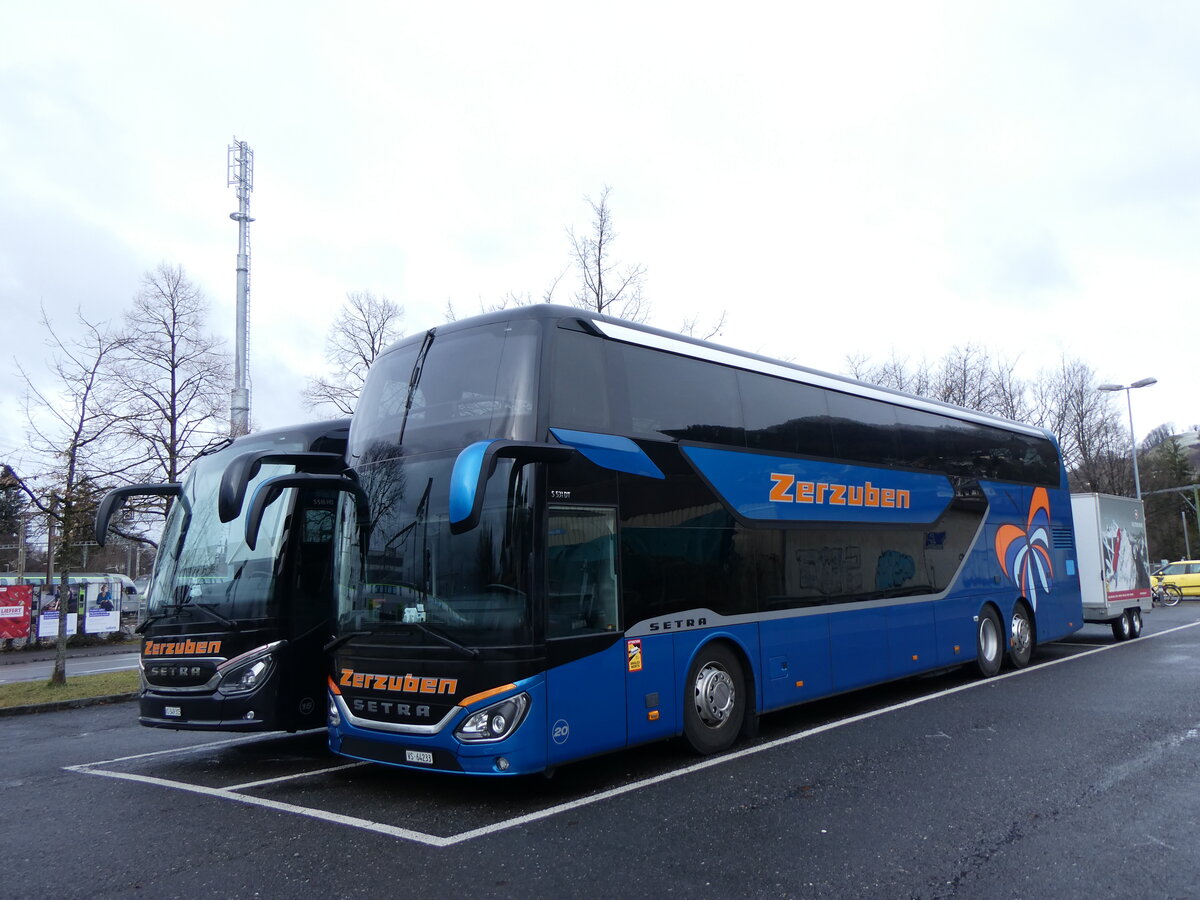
247 672
246 678
494 722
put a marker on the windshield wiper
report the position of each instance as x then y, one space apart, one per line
343 639
150 620
470 652
413 379
175 609
208 608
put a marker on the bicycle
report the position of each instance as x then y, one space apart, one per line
1165 594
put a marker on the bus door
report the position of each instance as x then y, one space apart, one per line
308 605
585 678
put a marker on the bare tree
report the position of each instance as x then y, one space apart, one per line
70 427
894 372
693 328
604 287
967 376
172 377
364 327
1008 394
1087 425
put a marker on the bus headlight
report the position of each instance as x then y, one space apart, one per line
247 672
246 678
494 722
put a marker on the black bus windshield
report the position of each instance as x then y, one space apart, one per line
204 562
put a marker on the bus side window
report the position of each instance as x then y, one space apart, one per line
582 573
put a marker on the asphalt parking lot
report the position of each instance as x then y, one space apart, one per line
941 786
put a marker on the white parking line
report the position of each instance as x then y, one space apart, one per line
431 840
254 784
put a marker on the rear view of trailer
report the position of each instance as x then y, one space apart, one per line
1114 566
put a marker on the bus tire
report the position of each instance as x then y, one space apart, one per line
714 703
1135 622
1023 640
1121 629
989 642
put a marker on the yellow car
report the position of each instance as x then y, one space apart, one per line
1185 574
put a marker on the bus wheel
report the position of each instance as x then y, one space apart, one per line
1121 629
715 704
1135 622
1020 648
989 641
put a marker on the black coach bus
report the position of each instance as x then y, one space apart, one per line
232 636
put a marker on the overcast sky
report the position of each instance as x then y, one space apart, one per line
841 178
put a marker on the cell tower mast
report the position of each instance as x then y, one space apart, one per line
241 175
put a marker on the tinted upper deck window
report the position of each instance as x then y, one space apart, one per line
678 397
785 416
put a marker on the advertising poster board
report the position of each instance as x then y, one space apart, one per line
15 601
102 615
48 624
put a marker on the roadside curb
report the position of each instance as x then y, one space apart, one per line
15 657
58 705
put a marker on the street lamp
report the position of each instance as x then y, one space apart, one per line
1145 382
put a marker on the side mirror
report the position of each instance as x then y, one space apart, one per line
242 469
477 463
271 489
116 498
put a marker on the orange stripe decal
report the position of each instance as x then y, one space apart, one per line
483 695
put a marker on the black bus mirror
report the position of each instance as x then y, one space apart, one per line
116 498
243 467
477 463
271 489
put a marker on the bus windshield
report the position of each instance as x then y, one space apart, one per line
419 578
445 391
204 562
424 402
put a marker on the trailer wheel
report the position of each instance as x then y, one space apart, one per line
1020 647
1121 628
714 702
989 642
1135 622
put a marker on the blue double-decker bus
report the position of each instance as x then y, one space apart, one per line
562 534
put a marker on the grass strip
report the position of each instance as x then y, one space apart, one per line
78 687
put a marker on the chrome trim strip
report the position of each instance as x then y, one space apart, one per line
209 686
394 727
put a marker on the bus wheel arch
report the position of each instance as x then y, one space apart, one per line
989 641
1022 632
717 697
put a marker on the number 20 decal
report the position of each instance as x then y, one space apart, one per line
561 731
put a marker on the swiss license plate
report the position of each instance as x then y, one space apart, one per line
173 711
418 756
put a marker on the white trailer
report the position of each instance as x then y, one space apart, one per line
1114 567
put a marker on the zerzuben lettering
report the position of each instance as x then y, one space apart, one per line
787 489
181 648
401 684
